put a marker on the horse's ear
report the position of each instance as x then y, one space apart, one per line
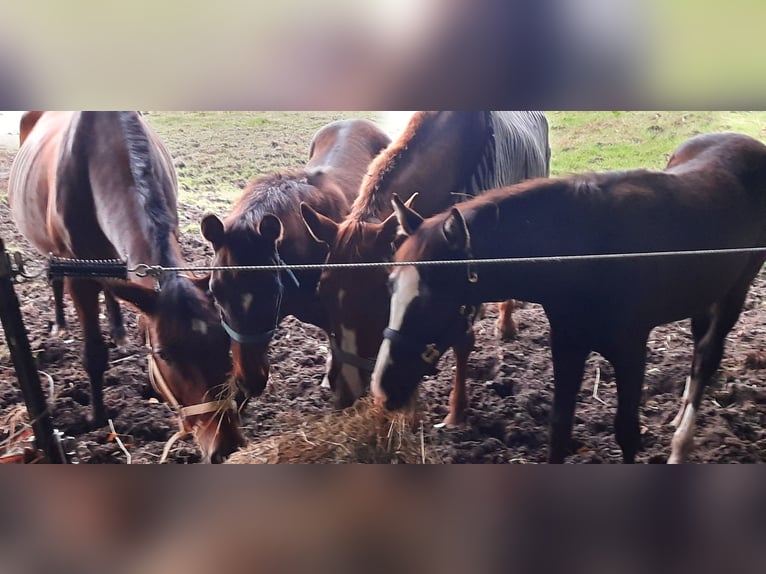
27 122
142 298
322 229
388 231
408 218
456 231
270 228
212 230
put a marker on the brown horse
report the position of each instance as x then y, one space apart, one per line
712 196
443 156
265 228
101 185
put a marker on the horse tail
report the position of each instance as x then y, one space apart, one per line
522 148
147 183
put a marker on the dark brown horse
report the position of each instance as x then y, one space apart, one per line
712 196
444 156
101 185
265 228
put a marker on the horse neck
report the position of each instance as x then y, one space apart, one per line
435 160
153 205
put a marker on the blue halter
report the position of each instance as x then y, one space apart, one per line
265 336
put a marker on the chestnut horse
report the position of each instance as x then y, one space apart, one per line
712 196
265 228
444 156
101 185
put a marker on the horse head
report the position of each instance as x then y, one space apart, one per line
432 307
249 301
181 328
355 300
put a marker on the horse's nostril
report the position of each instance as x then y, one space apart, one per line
217 458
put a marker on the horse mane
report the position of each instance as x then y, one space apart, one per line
275 193
516 135
152 198
515 148
368 203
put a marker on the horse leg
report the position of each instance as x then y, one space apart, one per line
59 327
458 397
506 326
116 325
629 362
700 326
95 356
708 352
569 357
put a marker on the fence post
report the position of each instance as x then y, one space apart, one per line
24 363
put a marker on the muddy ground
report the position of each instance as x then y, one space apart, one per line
510 384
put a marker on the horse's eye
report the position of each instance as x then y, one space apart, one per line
162 354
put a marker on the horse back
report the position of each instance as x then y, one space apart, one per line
340 153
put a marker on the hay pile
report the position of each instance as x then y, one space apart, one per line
363 433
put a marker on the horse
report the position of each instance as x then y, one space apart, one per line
265 228
101 185
444 157
711 196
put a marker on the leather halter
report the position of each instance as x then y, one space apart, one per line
457 333
366 365
161 388
264 337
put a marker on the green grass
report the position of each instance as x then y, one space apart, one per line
217 153
599 141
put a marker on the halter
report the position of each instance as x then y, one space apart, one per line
161 387
430 352
264 337
363 364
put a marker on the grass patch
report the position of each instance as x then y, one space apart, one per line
601 141
217 153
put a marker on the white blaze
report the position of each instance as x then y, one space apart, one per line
199 326
247 300
406 288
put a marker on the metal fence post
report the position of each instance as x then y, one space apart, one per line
24 363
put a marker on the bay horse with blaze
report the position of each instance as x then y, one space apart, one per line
443 157
265 228
711 196
101 185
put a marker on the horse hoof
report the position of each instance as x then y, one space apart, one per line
119 336
59 331
450 422
120 340
508 334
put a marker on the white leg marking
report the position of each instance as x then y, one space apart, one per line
684 401
406 288
326 380
683 438
247 300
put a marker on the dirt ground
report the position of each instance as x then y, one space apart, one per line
510 384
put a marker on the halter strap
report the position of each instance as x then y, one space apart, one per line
361 363
243 338
161 387
431 352
263 337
